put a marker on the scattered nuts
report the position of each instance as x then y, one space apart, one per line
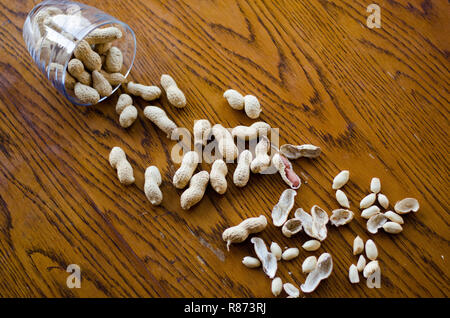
361 263
277 286
311 245
368 201
275 249
288 174
371 250
370 211
240 232
358 245
202 129
151 185
251 132
353 274
159 117
225 141
394 217
234 98
174 95
341 179
280 211
375 185
295 152
306 220
322 271
406 205
268 260
196 190
371 268
342 199
147 93
341 217
309 264
319 222
290 254
383 200
186 170
262 159
392 227
242 171
251 106
375 222
217 176
291 227
118 160
291 290
251 262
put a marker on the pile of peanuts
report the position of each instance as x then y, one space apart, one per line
96 67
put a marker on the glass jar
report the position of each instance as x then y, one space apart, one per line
53 29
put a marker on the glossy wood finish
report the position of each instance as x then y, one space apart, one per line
375 100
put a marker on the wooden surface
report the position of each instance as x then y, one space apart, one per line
376 101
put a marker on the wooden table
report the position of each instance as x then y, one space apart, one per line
375 100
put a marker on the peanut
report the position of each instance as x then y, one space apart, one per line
217 176
186 170
146 92
277 286
128 116
287 173
114 60
174 95
383 200
406 205
69 81
375 185
42 15
358 245
85 54
371 250
295 152
196 190
86 94
353 274
291 290
262 159
103 48
234 98
240 232
251 106
392 227
242 172
342 199
160 119
251 262
311 245
275 249
118 160
290 254
100 83
368 201
113 78
225 141
105 35
309 264
341 179
202 129
151 185
76 69
251 132
394 217
361 263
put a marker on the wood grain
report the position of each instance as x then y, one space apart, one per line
375 100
